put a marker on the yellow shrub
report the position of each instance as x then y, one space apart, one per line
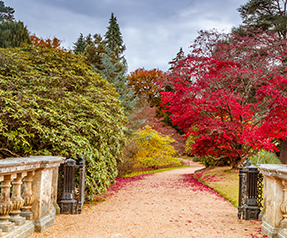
155 149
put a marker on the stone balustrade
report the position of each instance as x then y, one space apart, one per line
274 213
28 194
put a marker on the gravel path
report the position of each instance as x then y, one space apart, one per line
159 206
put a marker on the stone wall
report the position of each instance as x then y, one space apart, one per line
31 207
274 213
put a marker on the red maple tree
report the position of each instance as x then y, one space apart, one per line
230 94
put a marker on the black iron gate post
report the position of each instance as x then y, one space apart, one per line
251 209
68 204
250 191
242 187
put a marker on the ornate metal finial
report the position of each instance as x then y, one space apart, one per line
246 162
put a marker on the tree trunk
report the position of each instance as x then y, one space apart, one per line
283 152
236 162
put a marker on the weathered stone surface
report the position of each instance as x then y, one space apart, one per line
46 221
54 189
39 192
11 165
21 231
275 178
274 170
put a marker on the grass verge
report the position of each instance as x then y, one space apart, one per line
136 173
223 180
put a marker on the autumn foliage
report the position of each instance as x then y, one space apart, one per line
147 115
230 94
48 43
154 149
145 84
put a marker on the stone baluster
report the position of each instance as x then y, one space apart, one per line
283 223
17 200
27 195
6 206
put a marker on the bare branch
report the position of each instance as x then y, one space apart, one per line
4 149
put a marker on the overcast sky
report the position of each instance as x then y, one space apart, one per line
153 30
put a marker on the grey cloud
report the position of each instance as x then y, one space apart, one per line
153 30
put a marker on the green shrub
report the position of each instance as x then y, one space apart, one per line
128 159
264 157
51 103
209 161
196 159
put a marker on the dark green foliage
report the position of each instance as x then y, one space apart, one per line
113 37
52 103
179 56
95 51
267 15
80 45
209 161
105 57
6 13
13 34
112 74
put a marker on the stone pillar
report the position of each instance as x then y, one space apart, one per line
283 224
273 194
54 189
6 205
274 219
17 200
38 190
43 209
28 196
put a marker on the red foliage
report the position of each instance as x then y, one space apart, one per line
49 43
123 181
230 93
148 114
198 186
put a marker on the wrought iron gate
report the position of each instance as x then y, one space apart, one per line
250 192
66 183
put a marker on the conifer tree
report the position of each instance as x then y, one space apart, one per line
6 13
13 34
113 38
105 55
179 56
267 15
80 45
114 72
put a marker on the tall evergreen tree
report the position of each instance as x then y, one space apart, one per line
13 34
268 15
95 51
113 38
110 71
6 13
105 55
80 45
179 56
